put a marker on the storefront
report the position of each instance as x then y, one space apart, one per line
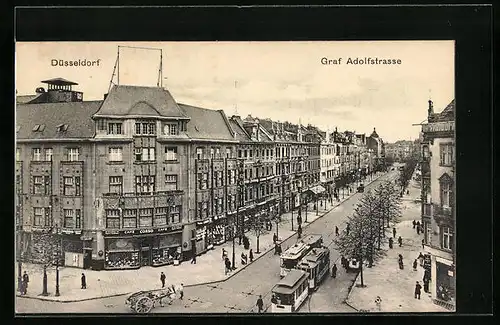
202 237
129 249
219 230
445 282
72 247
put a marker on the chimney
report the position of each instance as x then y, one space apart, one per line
430 111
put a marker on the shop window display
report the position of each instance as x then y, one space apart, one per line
121 254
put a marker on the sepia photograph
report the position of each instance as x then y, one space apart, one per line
235 177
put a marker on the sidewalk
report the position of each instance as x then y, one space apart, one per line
394 286
208 269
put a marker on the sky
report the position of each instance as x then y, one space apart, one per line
284 81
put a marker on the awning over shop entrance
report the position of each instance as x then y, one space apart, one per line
317 189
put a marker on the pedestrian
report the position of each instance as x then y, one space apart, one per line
418 225
84 282
418 287
244 259
415 265
400 241
336 231
378 302
391 243
162 279
260 304
347 228
343 262
275 238
393 232
224 253
250 255
423 242
299 232
400 262
414 224
421 259
193 260
26 280
228 265
334 270
181 291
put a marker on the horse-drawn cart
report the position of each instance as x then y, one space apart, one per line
143 301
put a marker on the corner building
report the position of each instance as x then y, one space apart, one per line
438 202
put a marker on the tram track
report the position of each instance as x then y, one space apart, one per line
386 177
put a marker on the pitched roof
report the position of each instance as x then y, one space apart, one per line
77 115
447 114
240 133
137 100
59 82
24 99
206 123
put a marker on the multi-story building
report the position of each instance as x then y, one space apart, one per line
400 150
376 146
438 204
328 155
138 179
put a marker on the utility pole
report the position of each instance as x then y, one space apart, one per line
57 260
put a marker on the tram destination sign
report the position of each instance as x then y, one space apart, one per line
143 231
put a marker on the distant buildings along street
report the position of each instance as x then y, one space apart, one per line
138 179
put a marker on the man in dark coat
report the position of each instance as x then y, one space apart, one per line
250 255
426 284
334 271
393 232
423 244
415 265
275 238
418 228
228 265
391 243
414 224
336 231
26 280
400 241
84 282
418 287
260 304
162 279
299 232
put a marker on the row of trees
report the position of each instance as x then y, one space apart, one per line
407 172
365 233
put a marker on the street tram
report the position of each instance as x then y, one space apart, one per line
291 257
290 293
317 265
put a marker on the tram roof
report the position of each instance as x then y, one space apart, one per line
315 254
309 239
290 282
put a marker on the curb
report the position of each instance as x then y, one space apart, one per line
216 281
74 300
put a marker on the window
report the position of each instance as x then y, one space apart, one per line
229 153
446 193
18 154
114 128
38 216
38 186
447 238
160 218
219 206
101 125
116 184
48 154
78 219
239 153
68 186
446 154
129 218
37 154
77 186
144 184
175 214
212 153
170 153
113 218
73 154
145 154
200 154
217 153
68 218
146 217
115 154
202 210
202 181
171 182
145 128
171 129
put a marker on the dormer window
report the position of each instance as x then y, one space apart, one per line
115 128
38 128
170 129
62 128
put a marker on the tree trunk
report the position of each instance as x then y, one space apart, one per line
361 272
258 245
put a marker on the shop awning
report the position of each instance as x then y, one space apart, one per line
317 189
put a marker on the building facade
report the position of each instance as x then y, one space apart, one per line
138 179
438 203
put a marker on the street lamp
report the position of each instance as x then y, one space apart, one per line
57 263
